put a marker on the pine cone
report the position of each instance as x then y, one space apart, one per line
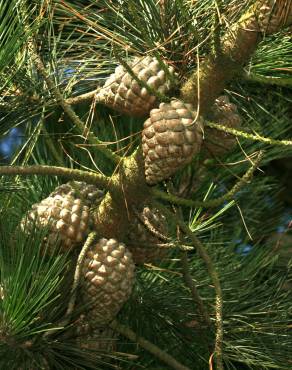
65 214
90 194
273 15
141 242
108 277
171 137
124 94
224 113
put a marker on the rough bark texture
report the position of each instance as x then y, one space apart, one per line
237 46
116 210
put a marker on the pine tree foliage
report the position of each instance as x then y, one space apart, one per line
221 296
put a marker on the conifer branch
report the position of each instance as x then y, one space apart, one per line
149 226
146 344
267 80
81 98
69 173
193 289
262 139
90 239
100 145
215 279
246 178
77 275
237 46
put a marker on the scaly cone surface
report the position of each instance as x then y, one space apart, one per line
65 214
123 93
107 280
226 114
172 135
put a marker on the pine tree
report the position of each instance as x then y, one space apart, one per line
144 217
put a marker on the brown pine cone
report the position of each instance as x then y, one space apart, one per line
141 242
65 214
224 113
172 135
90 194
124 94
67 219
108 278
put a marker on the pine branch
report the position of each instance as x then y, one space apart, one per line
151 228
100 145
90 239
146 344
246 135
267 80
72 174
209 80
215 279
36 99
238 45
246 178
77 275
82 98
193 289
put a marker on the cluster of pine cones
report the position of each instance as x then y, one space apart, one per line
107 274
173 132
172 135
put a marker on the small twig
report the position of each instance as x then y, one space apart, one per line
270 80
215 279
216 30
185 268
38 100
68 109
193 289
72 174
175 245
246 135
81 98
146 344
77 275
213 202
90 239
149 226
170 245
